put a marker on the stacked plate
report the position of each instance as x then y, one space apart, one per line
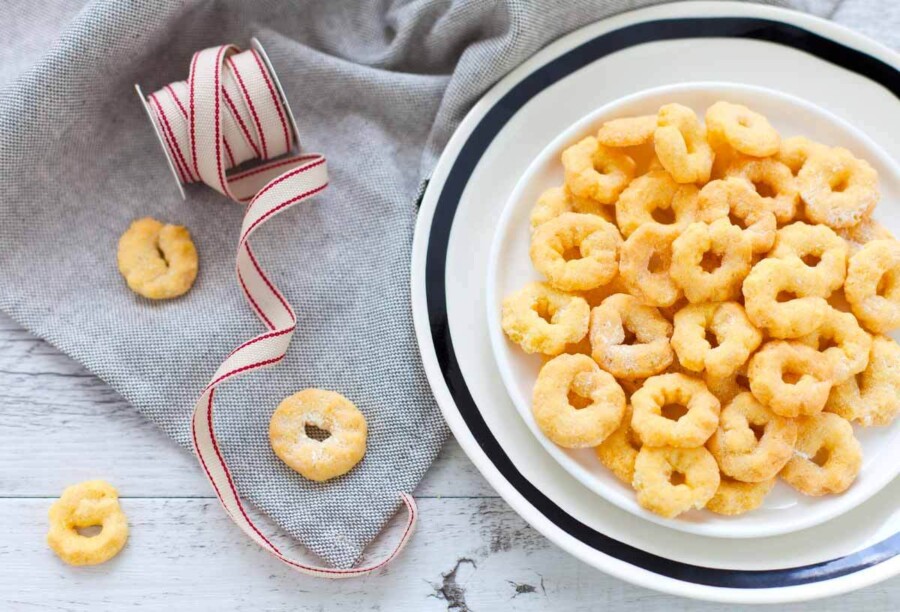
808 77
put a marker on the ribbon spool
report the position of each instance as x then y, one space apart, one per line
230 112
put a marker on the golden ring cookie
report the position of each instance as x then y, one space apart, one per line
827 458
596 172
576 251
818 247
656 198
659 394
158 261
658 490
843 343
681 146
785 297
744 130
873 285
872 397
752 443
774 183
88 504
629 338
735 198
318 460
542 319
645 262
601 399
790 378
735 497
709 262
838 189
726 325
627 132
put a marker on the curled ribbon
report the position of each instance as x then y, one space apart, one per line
230 111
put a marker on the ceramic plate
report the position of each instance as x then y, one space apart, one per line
848 75
509 268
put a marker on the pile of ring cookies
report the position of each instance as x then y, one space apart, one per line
715 309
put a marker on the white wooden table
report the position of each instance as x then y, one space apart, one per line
60 425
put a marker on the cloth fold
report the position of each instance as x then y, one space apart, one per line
378 87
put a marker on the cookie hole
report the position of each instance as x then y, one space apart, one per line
657 263
758 429
543 311
711 261
89 531
839 183
712 339
821 457
578 402
812 260
666 216
630 337
764 189
737 221
572 253
884 285
826 343
673 412
316 433
790 378
676 478
786 296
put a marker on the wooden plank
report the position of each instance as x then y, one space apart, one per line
59 424
469 554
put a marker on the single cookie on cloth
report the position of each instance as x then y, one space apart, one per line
94 503
158 261
331 412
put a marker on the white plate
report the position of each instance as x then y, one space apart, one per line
847 74
509 268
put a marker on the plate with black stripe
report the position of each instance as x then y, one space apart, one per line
849 76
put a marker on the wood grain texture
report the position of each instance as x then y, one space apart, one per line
59 425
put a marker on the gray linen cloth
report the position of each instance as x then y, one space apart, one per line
378 87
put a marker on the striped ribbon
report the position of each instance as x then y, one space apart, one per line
228 112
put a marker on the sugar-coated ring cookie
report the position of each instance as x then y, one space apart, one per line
785 297
846 344
573 426
710 262
691 429
657 491
816 246
158 261
87 504
619 451
871 398
863 233
558 200
790 378
827 457
723 323
873 285
628 131
596 172
794 152
744 130
680 141
318 460
618 319
726 388
655 197
542 319
774 183
734 497
752 443
576 252
838 189
645 261
734 197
